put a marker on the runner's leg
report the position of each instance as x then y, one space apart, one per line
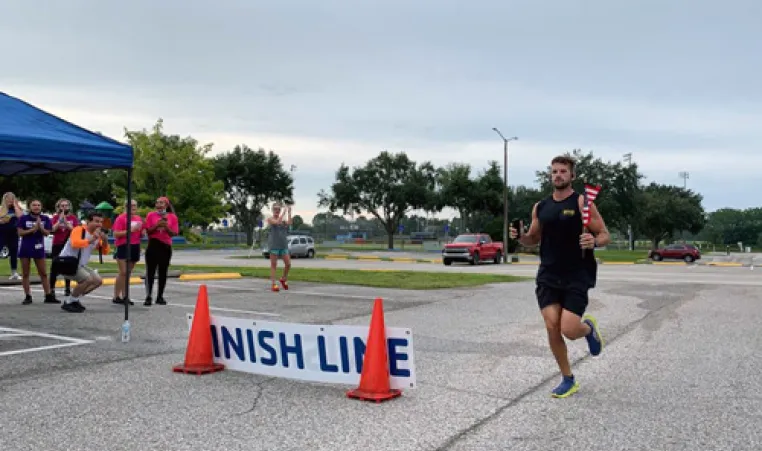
273 264
550 301
286 268
575 324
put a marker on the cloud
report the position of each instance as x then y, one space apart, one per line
327 82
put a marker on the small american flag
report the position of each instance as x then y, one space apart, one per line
591 192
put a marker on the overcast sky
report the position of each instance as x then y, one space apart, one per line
676 83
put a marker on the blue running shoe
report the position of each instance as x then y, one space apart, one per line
594 338
567 387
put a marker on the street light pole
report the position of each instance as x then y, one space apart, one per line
685 175
505 191
630 240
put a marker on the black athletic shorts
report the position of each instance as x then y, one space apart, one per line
572 299
571 292
121 253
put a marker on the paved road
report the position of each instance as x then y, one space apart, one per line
678 274
680 372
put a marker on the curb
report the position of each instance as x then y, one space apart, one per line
211 276
109 279
372 258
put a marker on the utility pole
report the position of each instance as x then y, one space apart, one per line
685 175
505 191
630 239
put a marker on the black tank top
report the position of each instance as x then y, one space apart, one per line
560 253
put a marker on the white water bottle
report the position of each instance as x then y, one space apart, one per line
126 331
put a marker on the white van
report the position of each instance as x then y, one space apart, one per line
298 246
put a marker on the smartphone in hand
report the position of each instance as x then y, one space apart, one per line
518 226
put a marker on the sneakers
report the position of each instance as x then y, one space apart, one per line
50 298
275 288
567 387
73 307
594 338
122 301
159 301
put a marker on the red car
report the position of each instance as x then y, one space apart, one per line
472 248
687 252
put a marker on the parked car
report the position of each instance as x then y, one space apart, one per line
687 252
4 253
298 246
472 248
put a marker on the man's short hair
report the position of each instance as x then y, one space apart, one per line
93 214
564 159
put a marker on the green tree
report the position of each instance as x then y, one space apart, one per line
95 186
298 222
168 165
729 226
456 188
388 186
487 197
521 201
252 179
664 210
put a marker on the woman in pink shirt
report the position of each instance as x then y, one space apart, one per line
126 254
161 226
64 222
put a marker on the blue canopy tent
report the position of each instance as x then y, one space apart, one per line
34 142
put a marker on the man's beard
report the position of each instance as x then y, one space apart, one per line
559 185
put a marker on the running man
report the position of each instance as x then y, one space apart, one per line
565 275
277 243
80 245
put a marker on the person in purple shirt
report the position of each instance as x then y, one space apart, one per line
33 227
10 212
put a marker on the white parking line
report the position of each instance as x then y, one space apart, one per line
39 348
223 309
45 335
70 341
305 293
171 304
2 336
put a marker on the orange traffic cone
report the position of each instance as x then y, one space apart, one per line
374 379
198 356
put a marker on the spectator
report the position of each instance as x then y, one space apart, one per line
277 243
10 212
160 227
75 255
33 228
126 254
63 223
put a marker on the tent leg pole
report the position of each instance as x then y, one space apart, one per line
128 212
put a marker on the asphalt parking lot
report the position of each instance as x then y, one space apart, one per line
680 372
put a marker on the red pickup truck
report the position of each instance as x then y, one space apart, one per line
472 248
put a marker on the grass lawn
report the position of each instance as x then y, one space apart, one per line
623 255
408 280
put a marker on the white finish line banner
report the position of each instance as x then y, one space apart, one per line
331 354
